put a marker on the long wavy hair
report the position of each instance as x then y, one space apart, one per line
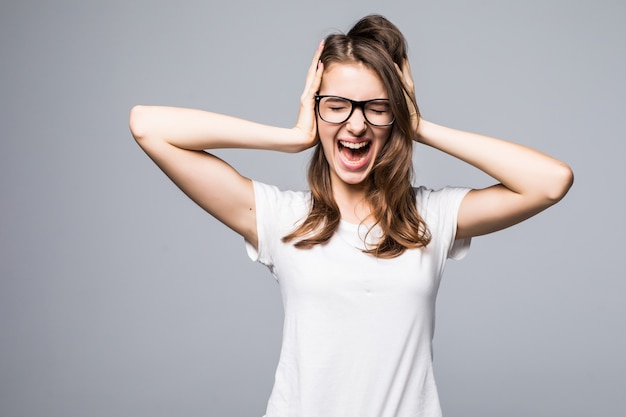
378 44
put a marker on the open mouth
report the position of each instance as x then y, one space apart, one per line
354 152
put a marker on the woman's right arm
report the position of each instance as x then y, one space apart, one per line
176 140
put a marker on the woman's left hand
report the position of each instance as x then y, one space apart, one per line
409 93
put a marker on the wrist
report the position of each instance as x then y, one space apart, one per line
422 131
297 140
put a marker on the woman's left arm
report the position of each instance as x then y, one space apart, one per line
529 181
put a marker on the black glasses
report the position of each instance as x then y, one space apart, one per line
336 110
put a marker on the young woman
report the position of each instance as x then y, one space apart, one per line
359 257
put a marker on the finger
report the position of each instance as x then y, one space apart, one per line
317 79
409 91
402 73
314 67
406 67
407 78
406 72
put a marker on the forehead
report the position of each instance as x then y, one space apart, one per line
352 80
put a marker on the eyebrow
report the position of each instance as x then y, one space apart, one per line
349 99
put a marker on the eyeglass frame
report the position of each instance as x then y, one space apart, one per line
354 105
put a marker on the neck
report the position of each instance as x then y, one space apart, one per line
351 200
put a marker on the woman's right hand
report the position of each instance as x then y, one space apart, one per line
306 126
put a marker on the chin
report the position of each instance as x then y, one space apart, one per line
353 178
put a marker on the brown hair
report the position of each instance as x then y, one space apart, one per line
378 44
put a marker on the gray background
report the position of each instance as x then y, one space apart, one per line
119 297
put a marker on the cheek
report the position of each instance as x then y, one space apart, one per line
383 137
326 134
327 147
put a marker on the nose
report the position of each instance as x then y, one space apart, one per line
356 123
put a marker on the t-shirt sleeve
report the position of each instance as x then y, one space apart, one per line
440 210
265 197
277 214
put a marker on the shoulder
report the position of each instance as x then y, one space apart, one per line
274 202
274 195
277 213
431 202
440 210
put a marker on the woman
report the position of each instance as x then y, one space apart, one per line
359 257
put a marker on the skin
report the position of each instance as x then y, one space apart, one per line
357 82
527 181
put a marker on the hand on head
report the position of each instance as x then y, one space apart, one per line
306 123
409 93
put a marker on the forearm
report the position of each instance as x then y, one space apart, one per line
199 130
521 169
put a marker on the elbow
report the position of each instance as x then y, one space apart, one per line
561 181
137 122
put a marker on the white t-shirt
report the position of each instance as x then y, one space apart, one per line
357 335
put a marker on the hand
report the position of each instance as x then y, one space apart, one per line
306 124
407 81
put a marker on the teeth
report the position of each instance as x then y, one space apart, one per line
353 145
